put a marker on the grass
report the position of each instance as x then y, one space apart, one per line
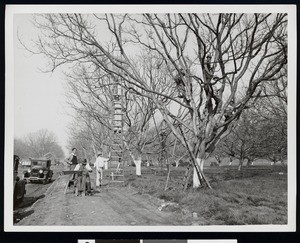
250 196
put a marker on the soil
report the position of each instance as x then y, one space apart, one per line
111 205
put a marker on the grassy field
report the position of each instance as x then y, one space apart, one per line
254 195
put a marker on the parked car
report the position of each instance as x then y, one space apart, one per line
39 171
19 185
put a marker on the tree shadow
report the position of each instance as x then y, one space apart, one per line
20 211
28 201
19 215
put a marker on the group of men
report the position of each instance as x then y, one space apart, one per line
82 179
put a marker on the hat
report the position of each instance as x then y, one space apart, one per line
99 152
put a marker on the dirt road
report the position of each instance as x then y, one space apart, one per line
114 205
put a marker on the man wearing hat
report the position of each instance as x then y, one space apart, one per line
99 164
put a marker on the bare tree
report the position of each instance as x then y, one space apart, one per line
261 132
21 149
243 142
88 136
215 64
38 143
272 110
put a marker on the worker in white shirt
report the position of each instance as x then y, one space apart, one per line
83 178
99 164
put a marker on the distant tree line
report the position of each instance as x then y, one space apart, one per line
261 131
37 144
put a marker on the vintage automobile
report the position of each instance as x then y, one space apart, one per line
39 171
19 185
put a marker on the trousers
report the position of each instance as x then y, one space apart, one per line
82 181
99 176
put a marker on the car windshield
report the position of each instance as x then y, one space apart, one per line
40 163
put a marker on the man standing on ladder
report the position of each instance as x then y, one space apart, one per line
99 164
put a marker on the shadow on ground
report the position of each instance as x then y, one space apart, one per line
19 215
20 211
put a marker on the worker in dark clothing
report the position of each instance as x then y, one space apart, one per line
180 84
185 90
72 159
208 68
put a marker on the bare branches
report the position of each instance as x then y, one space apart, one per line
198 71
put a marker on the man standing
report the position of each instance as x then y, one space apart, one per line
99 164
72 159
83 181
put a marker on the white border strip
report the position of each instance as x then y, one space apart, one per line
15 9
292 112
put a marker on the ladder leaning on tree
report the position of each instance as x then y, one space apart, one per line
116 163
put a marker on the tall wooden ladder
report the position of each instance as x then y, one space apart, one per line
116 163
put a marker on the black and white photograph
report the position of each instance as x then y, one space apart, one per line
150 118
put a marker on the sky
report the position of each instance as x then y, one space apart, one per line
39 100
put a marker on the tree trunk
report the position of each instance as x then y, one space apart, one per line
138 166
137 160
196 180
106 165
249 162
282 157
177 161
187 176
240 164
168 176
